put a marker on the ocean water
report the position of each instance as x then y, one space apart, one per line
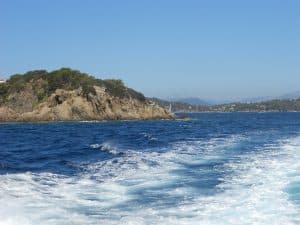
217 168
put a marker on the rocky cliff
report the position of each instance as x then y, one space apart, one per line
68 95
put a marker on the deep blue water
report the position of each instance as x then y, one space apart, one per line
217 168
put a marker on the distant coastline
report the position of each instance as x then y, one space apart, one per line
276 105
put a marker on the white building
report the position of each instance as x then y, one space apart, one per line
2 81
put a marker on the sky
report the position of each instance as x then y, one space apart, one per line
211 49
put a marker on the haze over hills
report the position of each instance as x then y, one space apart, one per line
283 103
209 102
279 105
192 101
292 95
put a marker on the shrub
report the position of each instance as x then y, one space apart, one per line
35 75
18 85
87 89
3 92
137 95
3 89
66 78
115 87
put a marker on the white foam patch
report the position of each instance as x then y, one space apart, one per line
106 147
149 136
253 192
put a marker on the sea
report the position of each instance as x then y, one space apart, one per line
212 169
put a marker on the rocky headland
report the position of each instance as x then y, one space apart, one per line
69 95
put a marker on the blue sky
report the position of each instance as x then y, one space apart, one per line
167 48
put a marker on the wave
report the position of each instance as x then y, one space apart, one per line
148 136
254 192
164 187
107 147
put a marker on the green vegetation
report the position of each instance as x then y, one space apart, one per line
179 106
3 93
44 83
273 105
287 105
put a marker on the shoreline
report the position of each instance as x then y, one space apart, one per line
240 112
84 121
175 118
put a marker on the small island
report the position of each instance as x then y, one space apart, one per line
70 95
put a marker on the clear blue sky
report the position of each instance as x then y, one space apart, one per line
167 48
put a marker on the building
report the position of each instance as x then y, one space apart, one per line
2 81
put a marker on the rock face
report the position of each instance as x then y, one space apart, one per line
72 105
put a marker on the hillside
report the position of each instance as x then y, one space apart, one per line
177 106
67 94
277 105
193 101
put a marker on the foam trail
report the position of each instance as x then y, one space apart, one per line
106 147
158 188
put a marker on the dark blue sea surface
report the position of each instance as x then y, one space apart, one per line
216 168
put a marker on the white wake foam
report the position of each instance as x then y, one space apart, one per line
252 192
106 147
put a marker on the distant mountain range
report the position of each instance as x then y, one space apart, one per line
204 102
192 101
287 102
293 95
